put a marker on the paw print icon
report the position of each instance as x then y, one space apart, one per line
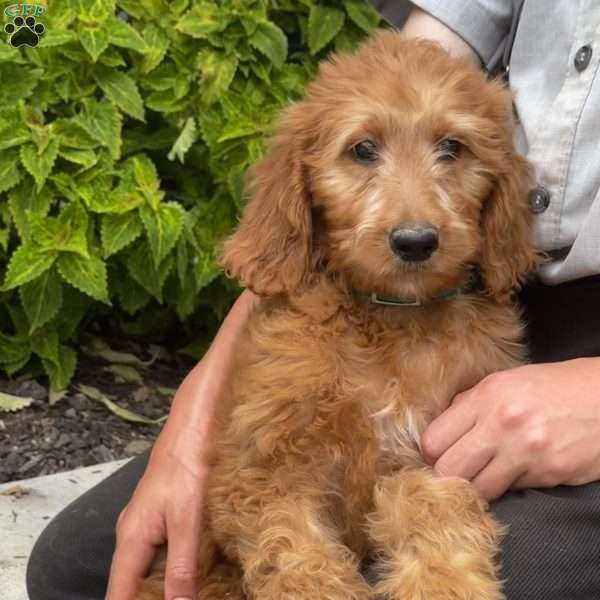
24 32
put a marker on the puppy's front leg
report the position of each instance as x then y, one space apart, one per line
437 541
293 555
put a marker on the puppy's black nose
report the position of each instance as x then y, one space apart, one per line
414 242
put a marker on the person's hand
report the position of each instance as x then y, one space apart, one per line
167 504
532 426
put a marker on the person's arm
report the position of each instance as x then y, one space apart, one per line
167 502
422 25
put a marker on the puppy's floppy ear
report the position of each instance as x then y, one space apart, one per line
507 255
270 251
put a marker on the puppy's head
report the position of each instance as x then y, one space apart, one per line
397 171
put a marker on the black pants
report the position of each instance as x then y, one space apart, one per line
552 550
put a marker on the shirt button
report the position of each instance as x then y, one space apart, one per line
583 57
539 199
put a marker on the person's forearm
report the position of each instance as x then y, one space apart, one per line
422 25
195 400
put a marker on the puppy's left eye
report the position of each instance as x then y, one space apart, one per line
365 151
449 149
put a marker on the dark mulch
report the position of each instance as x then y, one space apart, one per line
78 431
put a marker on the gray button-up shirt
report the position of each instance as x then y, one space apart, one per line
554 73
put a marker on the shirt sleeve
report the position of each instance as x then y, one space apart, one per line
483 24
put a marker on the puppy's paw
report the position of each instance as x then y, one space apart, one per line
412 582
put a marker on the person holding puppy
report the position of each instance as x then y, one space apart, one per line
527 438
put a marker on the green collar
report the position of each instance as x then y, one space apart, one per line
473 284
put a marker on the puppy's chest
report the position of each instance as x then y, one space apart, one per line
401 387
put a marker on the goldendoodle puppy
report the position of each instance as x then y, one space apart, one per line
385 232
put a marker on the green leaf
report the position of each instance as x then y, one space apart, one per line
4 233
270 41
102 121
12 368
121 89
27 263
73 135
61 372
204 19
96 11
162 78
67 232
140 264
14 136
112 58
188 298
76 306
25 198
9 170
133 8
8 54
239 129
186 139
156 9
22 83
157 43
362 14
85 158
163 228
10 403
205 270
146 175
42 298
324 23
88 275
95 40
19 320
166 102
13 349
55 37
123 199
178 6
348 39
39 163
124 35
45 344
132 296
119 231
183 260
218 70
135 141
236 182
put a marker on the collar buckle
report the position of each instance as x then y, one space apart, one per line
393 301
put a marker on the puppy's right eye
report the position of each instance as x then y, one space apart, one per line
365 152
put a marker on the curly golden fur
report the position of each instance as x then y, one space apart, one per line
316 465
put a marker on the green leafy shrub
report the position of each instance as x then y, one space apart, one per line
124 138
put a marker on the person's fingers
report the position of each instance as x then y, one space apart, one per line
448 428
181 576
468 456
130 564
496 478
131 561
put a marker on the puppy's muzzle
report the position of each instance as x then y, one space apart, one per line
414 242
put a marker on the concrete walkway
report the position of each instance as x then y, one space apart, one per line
25 509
